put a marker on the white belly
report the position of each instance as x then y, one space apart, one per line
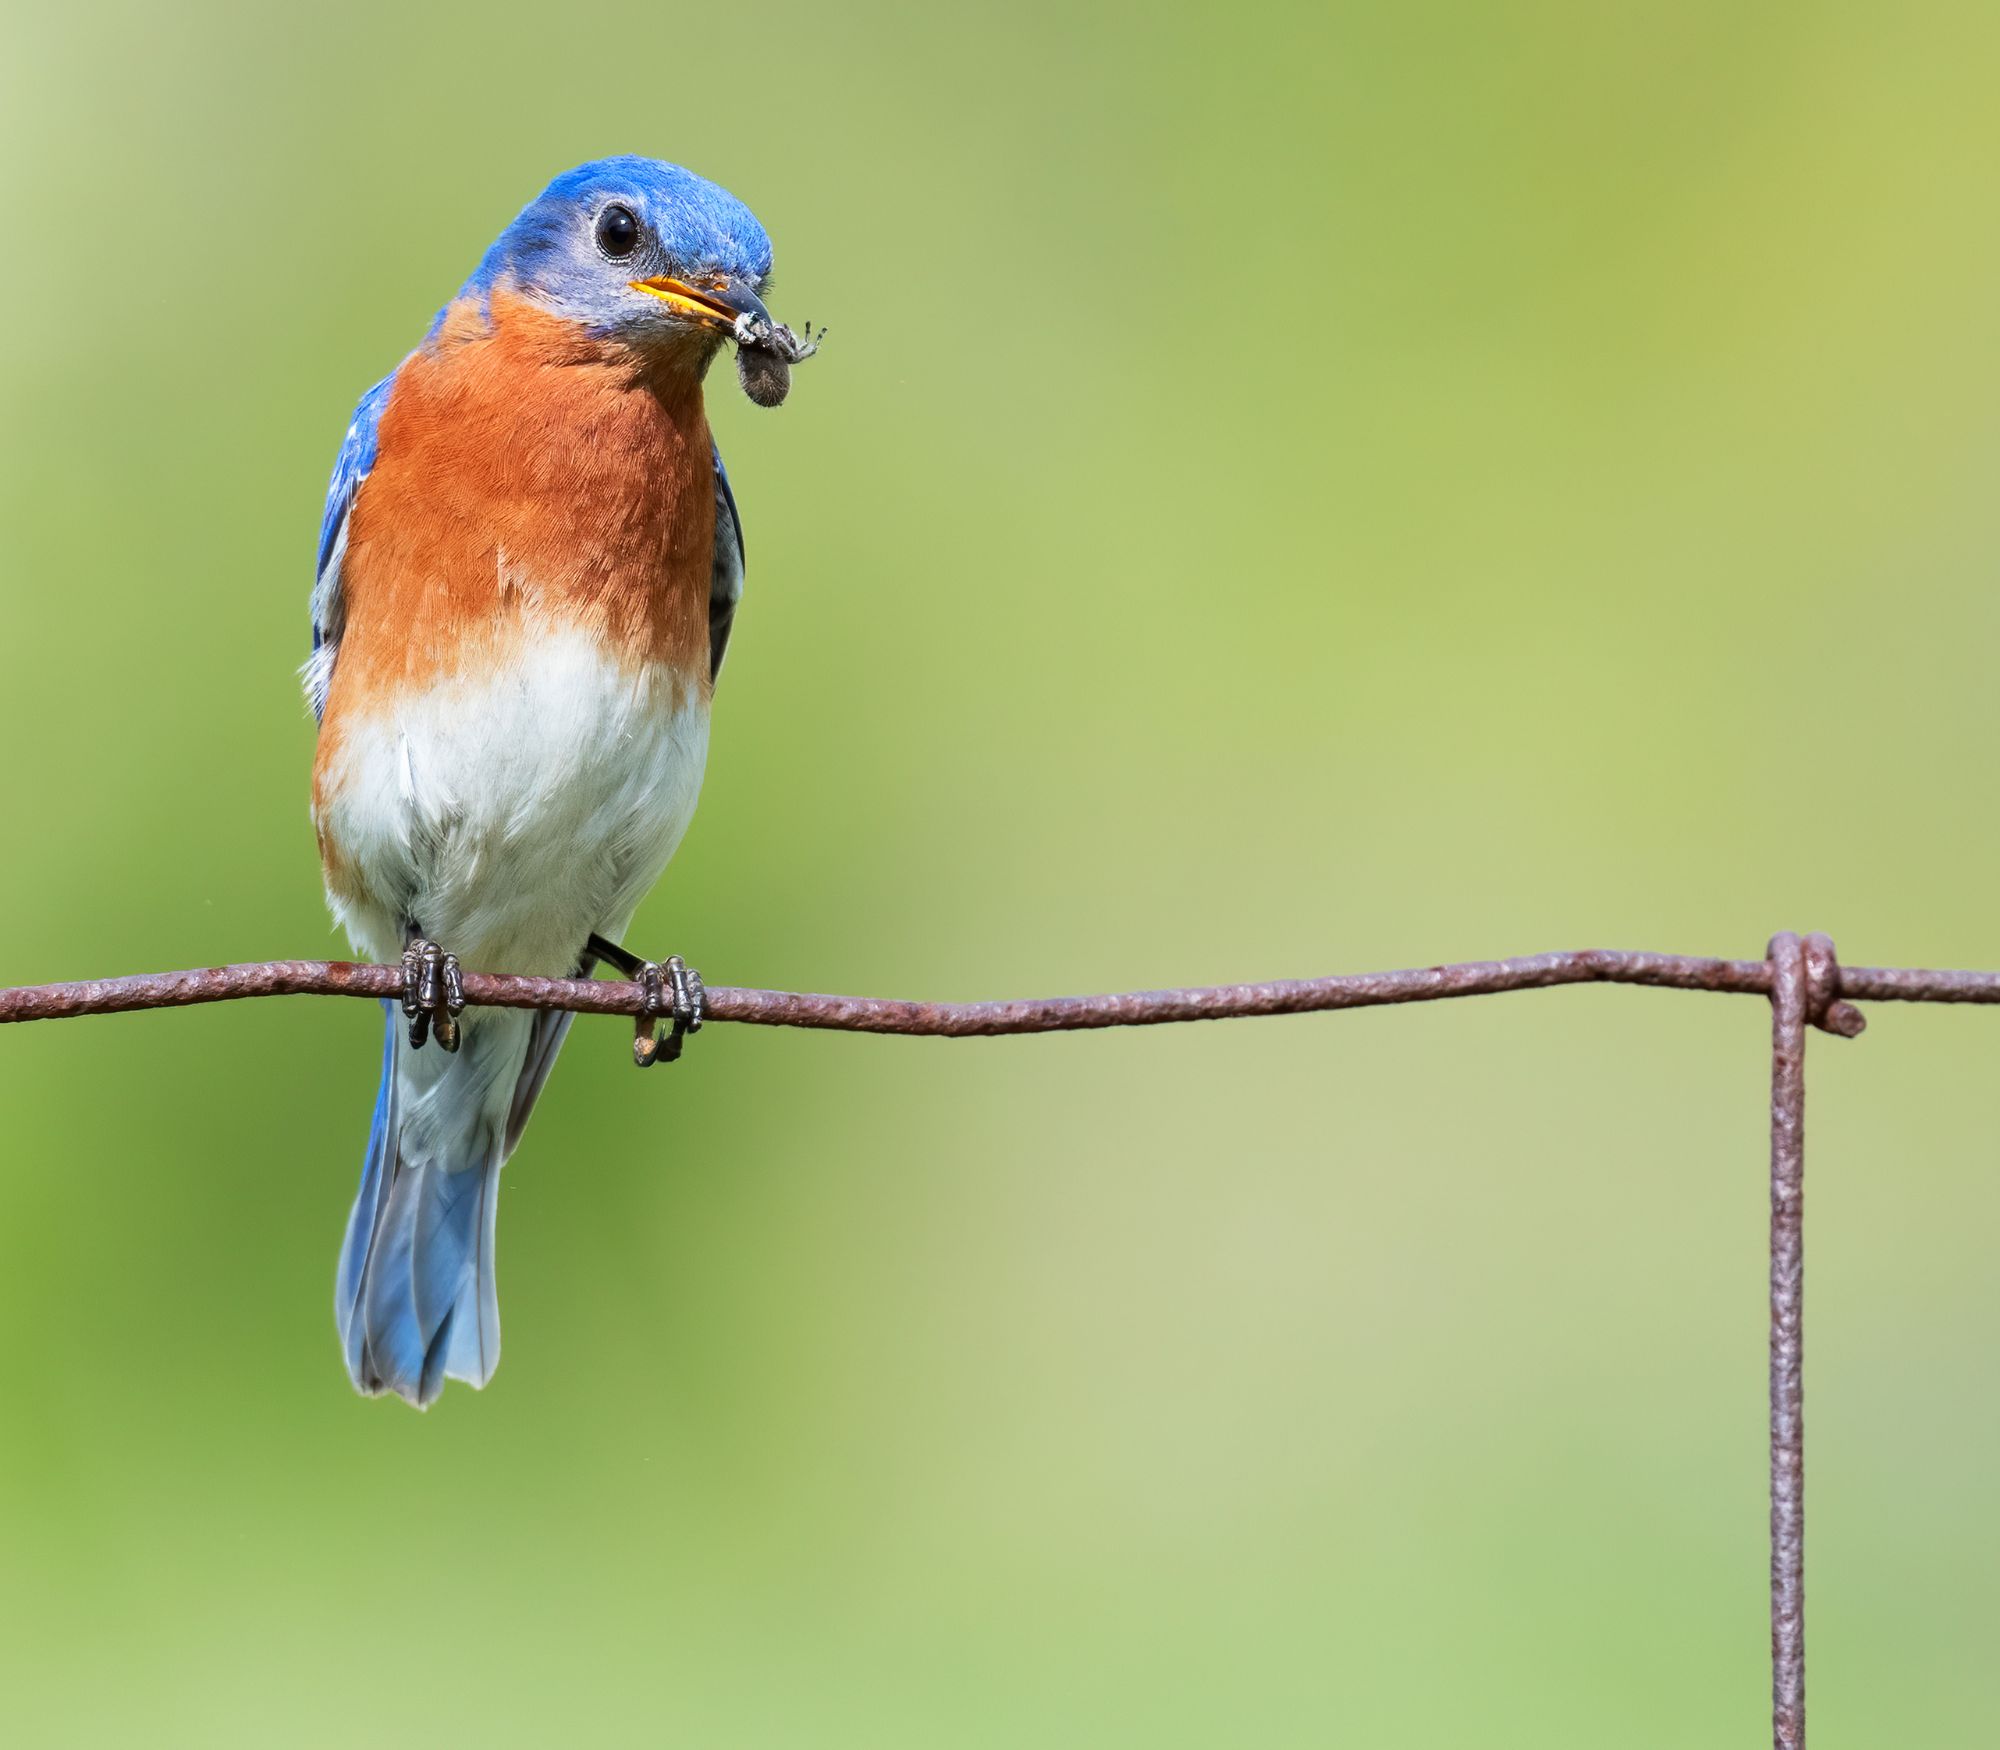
509 814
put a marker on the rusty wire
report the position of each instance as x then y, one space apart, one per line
777 1008
1800 976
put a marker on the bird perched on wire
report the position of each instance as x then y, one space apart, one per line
528 569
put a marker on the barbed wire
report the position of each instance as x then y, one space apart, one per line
1800 976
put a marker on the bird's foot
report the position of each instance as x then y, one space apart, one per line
673 990
433 996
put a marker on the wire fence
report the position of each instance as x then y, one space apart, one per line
1800 976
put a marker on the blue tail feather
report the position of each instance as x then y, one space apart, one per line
367 1210
415 1296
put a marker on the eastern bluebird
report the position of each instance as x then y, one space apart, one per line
527 572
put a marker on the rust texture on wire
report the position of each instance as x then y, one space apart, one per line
1802 978
775 1008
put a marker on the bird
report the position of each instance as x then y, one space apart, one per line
529 565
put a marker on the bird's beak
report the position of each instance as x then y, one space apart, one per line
714 300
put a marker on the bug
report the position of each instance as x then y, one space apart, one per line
765 354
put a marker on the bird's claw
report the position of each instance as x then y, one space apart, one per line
674 990
433 993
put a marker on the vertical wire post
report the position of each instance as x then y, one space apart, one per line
1791 996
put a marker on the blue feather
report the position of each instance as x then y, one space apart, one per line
694 225
350 468
415 1298
367 1209
725 577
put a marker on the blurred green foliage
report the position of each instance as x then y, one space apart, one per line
1290 488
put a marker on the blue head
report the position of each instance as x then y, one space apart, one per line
634 249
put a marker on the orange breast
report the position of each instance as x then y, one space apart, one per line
526 476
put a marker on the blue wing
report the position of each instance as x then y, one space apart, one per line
725 582
350 468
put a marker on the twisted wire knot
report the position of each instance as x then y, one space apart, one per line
1813 961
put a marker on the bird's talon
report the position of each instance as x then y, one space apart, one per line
433 994
690 995
674 991
649 981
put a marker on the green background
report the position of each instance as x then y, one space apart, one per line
1289 489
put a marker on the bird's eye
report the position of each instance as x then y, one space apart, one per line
617 231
